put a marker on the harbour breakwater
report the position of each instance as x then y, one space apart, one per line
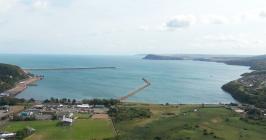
68 68
132 93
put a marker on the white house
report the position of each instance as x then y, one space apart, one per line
7 135
84 106
4 94
67 121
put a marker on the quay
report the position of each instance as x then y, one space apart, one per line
22 85
132 93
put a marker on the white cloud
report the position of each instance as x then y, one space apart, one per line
184 21
144 28
5 5
238 40
40 4
100 24
2 21
180 21
17 5
263 14
213 19
222 38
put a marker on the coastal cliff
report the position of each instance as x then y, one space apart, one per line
251 87
245 92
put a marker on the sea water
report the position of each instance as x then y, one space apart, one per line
176 81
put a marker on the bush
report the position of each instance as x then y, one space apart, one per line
21 134
128 113
10 101
18 118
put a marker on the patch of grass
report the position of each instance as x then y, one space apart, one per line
83 115
215 123
84 129
129 113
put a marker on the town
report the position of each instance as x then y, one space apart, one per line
66 111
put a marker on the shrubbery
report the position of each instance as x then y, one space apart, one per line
105 102
21 134
128 113
10 101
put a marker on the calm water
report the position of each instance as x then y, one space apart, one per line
172 81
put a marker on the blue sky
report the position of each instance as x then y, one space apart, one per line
133 26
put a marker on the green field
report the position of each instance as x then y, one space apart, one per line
82 129
183 123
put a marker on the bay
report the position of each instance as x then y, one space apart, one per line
177 81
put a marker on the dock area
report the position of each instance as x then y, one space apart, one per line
22 85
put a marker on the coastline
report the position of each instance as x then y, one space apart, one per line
22 85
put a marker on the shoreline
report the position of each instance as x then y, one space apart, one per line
22 85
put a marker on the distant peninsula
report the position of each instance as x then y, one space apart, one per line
250 88
161 57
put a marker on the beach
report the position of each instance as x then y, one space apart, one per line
22 85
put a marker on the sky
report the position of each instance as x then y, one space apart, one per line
133 27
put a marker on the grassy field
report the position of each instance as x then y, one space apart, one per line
82 129
183 123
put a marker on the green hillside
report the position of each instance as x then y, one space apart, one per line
9 75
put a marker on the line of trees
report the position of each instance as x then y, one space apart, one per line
12 101
106 102
61 101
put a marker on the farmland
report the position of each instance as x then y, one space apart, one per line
133 121
190 122
82 129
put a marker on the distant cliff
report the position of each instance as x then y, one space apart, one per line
9 75
249 89
161 57
255 62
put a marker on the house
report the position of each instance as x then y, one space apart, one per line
66 121
84 106
71 115
40 106
6 135
5 107
239 110
4 94
26 114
